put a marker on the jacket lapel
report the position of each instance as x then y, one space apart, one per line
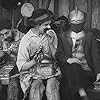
69 39
84 39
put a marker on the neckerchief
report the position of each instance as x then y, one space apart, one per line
77 36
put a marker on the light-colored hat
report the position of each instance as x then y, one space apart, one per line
76 16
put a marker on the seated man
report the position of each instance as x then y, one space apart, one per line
10 48
36 58
60 25
77 57
4 24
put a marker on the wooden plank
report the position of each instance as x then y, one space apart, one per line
37 2
48 3
43 3
89 14
71 5
56 7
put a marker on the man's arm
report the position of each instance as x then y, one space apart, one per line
23 58
60 54
96 56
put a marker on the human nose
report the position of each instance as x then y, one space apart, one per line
48 26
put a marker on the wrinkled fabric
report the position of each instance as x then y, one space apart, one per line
33 45
12 50
52 90
27 78
78 53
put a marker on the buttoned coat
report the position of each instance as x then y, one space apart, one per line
91 50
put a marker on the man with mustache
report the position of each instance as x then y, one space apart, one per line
77 56
36 55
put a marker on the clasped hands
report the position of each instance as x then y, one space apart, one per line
76 60
73 60
98 77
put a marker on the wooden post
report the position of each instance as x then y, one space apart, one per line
25 19
48 3
71 5
43 4
1 11
13 18
37 4
56 7
89 14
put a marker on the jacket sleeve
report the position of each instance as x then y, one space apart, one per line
96 54
60 54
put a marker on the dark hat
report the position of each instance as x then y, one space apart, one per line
59 20
5 23
39 16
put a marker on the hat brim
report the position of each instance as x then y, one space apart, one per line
46 19
76 22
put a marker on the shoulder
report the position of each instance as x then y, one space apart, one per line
24 41
63 35
89 33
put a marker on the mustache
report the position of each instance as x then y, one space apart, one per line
46 29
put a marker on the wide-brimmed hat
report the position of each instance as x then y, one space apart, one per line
39 16
77 16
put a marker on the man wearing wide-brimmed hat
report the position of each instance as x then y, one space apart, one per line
77 56
36 55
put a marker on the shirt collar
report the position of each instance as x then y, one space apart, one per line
32 33
76 36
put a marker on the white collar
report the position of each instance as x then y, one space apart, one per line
77 36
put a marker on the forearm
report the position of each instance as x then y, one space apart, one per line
53 50
28 65
61 57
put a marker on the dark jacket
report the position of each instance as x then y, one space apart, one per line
90 49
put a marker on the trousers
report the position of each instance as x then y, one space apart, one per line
74 78
51 88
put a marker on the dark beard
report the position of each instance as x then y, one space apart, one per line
77 27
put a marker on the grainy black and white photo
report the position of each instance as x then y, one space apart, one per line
49 50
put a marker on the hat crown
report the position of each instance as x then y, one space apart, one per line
76 16
39 16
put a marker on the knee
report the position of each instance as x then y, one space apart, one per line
76 66
37 85
13 83
52 85
0 88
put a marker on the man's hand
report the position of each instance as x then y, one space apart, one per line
98 77
73 60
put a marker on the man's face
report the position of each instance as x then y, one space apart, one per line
44 26
8 36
